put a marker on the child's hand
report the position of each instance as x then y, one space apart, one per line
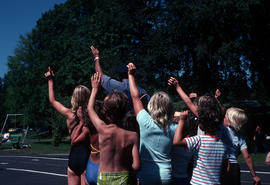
49 74
131 68
257 180
95 80
218 93
183 115
173 81
193 95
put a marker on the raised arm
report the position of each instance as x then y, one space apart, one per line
249 163
178 139
217 94
95 53
134 92
57 105
98 123
183 95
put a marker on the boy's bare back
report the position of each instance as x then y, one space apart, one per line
117 149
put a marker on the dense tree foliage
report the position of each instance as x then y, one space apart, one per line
206 44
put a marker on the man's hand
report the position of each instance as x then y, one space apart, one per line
131 68
95 80
95 51
173 81
49 74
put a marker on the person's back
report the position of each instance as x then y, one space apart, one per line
156 134
181 158
234 119
119 148
116 147
77 123
208 149
208 157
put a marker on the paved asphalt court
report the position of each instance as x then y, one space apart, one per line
52 170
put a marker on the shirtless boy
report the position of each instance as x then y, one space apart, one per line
119 151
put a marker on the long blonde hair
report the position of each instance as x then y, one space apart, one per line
161 109
80 97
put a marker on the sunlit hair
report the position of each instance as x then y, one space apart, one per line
210 114
80 97
114 108
160 108
237 117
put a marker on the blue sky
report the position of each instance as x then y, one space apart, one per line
18 17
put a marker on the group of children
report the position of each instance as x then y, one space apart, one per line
130 138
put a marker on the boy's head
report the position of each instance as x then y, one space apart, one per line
130 123
235 118
161 109
210 114
114 108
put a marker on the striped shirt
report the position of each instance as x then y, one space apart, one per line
208 155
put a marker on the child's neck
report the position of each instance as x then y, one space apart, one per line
212 135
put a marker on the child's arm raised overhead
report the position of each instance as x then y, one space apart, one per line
57 105
178 139
98 123
217 94
134 92
183 95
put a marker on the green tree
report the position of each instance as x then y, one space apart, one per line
207 44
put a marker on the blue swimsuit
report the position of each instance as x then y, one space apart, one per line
91 172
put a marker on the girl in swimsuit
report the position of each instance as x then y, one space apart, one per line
77 120
93 162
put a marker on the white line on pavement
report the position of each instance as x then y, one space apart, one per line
31 157
34 171
266 173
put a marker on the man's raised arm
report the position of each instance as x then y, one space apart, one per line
95 53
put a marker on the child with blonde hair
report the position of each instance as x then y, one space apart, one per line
234 119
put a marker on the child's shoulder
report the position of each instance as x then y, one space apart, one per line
126 132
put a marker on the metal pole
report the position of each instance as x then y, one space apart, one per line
3 127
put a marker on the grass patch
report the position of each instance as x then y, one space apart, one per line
39 144
38 148
258 159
